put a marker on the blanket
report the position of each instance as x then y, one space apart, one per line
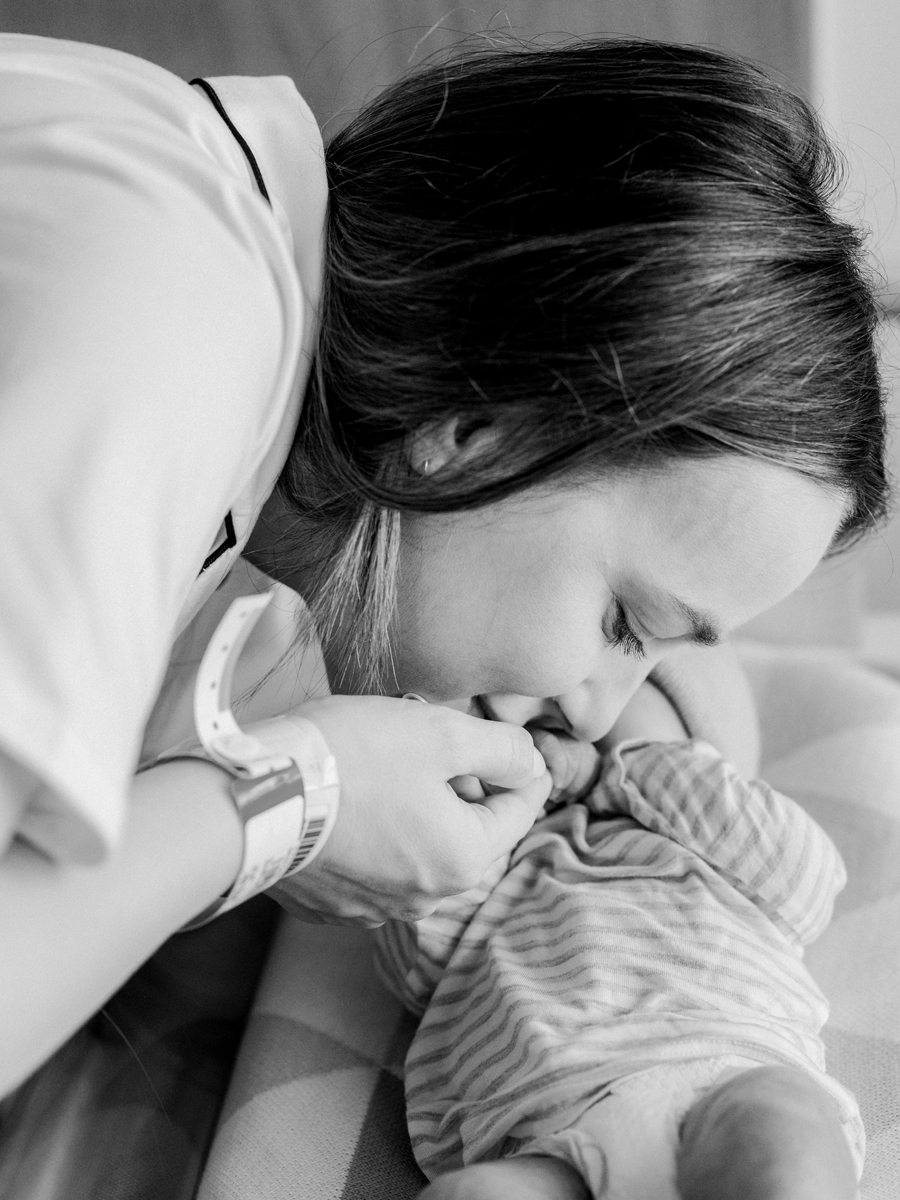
315 1106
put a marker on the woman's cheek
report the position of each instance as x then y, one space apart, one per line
555 668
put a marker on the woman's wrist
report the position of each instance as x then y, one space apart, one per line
284 788
93 927
283 782
188 803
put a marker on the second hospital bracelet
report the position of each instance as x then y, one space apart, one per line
285 783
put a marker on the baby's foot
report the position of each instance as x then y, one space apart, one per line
525 1177
766 1134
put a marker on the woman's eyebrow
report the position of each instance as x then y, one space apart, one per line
703 629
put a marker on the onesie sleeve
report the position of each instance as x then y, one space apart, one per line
762 842
149 321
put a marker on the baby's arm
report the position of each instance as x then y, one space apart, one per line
411 956
764 843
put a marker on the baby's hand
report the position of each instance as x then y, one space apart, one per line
573 766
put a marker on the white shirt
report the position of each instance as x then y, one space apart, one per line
154 344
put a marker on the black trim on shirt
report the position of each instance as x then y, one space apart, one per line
227 544
238 136
230 538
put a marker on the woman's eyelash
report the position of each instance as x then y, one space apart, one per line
624 636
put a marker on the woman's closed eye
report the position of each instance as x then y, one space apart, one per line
623 635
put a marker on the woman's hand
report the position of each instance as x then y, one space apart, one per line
404 839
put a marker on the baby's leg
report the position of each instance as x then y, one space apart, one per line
524 1177
766 1134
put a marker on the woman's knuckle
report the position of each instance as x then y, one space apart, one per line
450 737
418 910
463 873
521 751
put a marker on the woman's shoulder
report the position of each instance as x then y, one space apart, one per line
159 332
118 102
282 134
82 81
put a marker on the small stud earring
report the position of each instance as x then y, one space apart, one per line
426 467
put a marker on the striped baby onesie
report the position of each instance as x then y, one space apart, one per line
661 920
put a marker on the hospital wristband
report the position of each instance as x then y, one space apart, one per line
285 784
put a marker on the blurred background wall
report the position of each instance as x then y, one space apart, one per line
340 52
855 83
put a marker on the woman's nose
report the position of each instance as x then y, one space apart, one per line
591 709
586 712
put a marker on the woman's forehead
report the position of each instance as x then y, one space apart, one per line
719 539
731 493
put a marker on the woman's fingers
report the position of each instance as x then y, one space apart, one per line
506 817
497 753
403 840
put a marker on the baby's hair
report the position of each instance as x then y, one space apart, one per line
677 286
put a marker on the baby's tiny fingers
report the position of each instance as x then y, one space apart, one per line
573 765
467 787
554 756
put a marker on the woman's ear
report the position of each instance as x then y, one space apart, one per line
450 446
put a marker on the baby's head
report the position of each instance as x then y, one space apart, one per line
648 714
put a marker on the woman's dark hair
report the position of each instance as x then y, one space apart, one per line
616 253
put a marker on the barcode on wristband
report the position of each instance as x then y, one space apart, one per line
310 836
